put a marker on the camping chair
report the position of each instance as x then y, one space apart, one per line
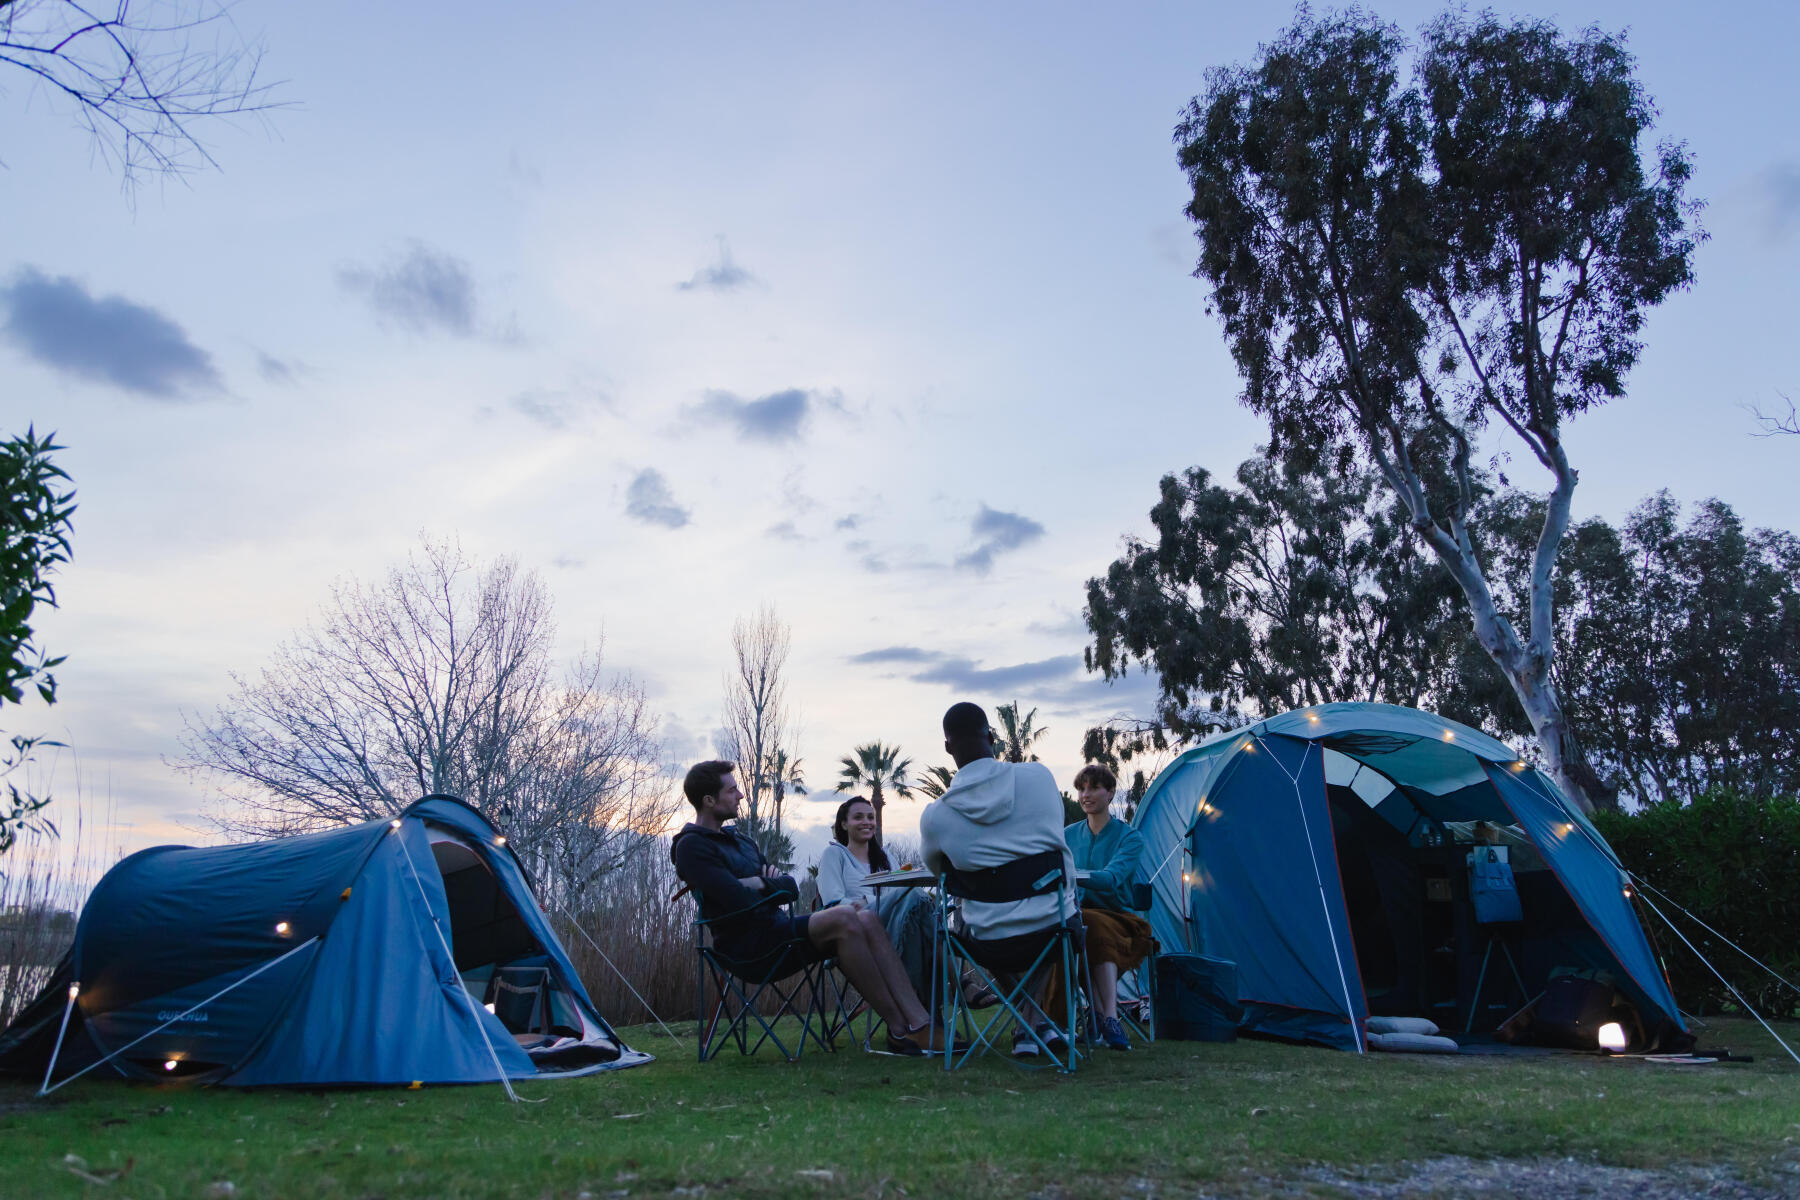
1495 896
518 993
790 975
1140 1017
1021 879
1138 1012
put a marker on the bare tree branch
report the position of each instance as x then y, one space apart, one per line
440 679
141 77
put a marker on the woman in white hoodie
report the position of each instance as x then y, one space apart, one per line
908 914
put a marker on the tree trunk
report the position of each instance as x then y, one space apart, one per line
1525 666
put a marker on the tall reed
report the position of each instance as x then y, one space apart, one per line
44 880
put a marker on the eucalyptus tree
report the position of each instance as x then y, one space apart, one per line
1413 265
876 769
1297 586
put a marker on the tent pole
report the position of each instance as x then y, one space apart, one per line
475 1013
1723 980
50 1069
609 962
1324 904
178 1016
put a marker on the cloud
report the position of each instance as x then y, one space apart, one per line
964 674
422 290
649 500
1072 625
109 339
723 276
277 370
1779 188
995 533
849 521
777 417
556 410
568 562
897 654
784 531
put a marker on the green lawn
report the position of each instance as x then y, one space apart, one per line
1180 1116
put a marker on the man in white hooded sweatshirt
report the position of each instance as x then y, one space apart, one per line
993 813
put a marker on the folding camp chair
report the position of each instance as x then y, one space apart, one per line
1022 879
1140 1017
1137 987
801 984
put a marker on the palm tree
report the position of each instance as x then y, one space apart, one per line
784 777
936 781
1017 735
874 767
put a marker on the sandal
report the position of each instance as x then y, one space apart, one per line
977 994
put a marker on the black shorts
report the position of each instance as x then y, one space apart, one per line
1017 952
776 946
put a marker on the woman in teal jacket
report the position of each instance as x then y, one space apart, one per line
1118 939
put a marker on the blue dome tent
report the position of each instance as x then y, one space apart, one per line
1323 852
393 952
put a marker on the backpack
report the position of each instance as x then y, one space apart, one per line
1491 887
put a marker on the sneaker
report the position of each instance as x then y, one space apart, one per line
1112 1032
913 1046
1024 1046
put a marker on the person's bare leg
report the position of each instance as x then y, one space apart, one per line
1106 989
893 971
839 932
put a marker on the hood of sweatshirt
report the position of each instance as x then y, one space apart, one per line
982 791
727 835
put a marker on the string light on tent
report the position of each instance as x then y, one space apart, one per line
283 928
1449 735
1627 893
499 839
394 824
168 1064
74 991
489 1007
1612 1037
1313 717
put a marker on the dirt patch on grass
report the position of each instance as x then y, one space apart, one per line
1534 1179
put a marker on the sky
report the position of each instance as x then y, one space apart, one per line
881 315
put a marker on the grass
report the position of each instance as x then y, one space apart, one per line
1181 1116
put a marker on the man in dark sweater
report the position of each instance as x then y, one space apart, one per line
740 895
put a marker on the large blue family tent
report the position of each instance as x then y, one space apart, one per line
393 952
1327 853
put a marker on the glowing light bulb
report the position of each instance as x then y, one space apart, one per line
74 990
489 1007
282 927
394 824
500 839
1612 1037
1627 893
169 1065
1312 716
1449 735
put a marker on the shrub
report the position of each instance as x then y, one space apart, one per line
1734 862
